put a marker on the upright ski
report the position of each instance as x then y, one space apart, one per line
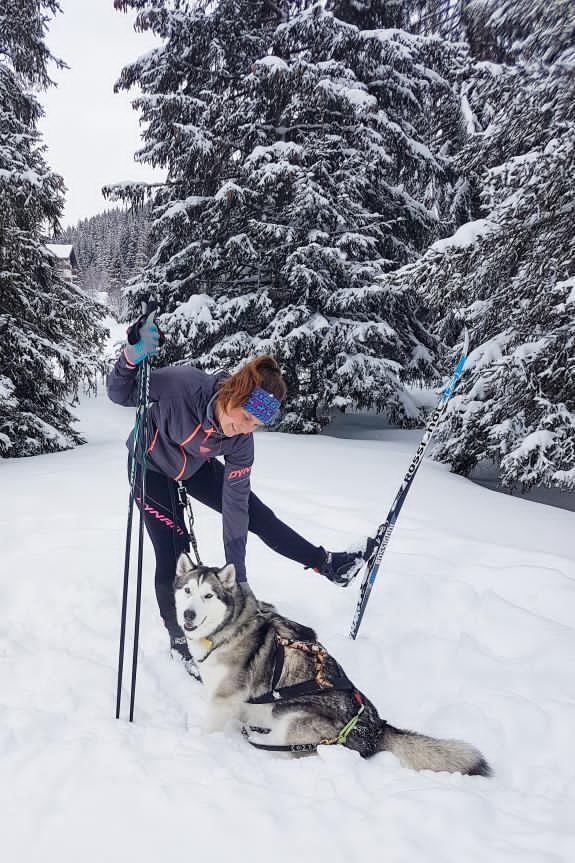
385 530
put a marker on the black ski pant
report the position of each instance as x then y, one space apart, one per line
163 518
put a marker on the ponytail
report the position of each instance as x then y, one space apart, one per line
261 372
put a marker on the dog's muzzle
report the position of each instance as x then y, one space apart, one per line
189 618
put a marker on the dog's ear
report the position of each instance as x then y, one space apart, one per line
227 576
183 569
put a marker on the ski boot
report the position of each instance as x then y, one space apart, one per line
342 567
179 650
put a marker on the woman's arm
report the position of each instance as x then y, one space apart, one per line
171 382
122 382
235 503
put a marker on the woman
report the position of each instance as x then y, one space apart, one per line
196 418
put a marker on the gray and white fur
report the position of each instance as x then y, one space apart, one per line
234 639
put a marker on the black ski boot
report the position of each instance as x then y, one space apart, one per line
179 650
341 567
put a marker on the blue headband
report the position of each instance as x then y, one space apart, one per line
262 405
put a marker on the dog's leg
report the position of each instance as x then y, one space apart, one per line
274 729
219 712
289 728
308 728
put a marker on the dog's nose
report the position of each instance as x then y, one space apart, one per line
189 615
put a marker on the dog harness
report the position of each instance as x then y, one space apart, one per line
320 684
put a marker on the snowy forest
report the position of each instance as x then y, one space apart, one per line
112 249
348 184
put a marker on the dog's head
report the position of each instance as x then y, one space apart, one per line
203 596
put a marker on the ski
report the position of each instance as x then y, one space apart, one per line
385 530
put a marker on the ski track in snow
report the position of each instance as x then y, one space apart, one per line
469 634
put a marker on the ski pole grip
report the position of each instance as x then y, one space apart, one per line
149 310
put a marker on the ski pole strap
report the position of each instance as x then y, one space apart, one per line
185 503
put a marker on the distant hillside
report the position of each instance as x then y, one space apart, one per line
112 248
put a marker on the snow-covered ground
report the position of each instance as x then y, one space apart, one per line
469 633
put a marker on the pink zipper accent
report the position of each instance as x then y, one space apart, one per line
193 434
187 440
153 444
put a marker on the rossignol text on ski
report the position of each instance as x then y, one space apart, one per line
385 529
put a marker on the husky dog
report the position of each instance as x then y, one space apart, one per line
272 675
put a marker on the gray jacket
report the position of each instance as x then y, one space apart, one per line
183 434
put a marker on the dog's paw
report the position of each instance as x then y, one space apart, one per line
256 735
218 715
211 727
214 722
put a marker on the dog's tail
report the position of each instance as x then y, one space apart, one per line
427 753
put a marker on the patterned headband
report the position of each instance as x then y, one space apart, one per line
262 405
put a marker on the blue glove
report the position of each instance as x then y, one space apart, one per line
148 342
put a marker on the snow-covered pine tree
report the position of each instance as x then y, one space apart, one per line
510 274
49 338
305 156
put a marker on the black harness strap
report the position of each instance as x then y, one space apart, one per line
320 685
349 728
294 747
310 687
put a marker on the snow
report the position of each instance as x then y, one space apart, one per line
514 162
116 337
466 235
356 96
398 39
467 115
179 207
568 283
228 189
197 304
469 633
279 149
273 63
17 175
529 350
60 250
7 388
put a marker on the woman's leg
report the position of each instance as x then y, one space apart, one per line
167 531
206 486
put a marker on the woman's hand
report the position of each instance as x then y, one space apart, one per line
148 338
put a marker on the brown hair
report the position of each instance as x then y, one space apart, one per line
261 372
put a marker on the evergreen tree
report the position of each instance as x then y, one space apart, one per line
511 273
49 339
307 154
524 31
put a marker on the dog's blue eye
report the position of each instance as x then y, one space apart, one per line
208 595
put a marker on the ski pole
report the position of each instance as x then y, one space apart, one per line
385 530
124 598
140 438
146 388
139 428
